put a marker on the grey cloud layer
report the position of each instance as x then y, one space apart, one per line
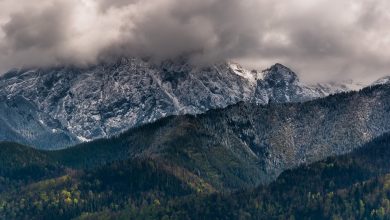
320 38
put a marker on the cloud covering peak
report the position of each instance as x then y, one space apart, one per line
319 38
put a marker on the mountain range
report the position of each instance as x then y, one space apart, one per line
96 181
139 140
246 144
51 108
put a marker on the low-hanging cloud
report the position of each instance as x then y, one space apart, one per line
320 38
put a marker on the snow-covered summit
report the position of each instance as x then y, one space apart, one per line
252 76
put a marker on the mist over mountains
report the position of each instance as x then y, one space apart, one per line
322 40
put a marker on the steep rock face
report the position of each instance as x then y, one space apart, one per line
20 120
280 84
104 100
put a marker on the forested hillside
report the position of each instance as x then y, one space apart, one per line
353 186
35 187
245 145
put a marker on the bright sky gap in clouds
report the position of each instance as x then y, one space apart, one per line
321 39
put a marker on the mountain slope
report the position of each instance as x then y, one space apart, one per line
353 186
245 144
74 105
21 121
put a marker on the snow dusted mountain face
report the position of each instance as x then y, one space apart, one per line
382 81
58 107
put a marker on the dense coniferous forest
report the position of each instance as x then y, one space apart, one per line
33 186
354 186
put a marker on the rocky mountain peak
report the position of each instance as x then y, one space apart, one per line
106 99
279 73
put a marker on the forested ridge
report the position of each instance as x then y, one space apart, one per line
353 186
245 145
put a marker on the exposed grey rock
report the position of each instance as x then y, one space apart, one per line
104 100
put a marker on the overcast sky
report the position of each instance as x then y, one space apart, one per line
320 39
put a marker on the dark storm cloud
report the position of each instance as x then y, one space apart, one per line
319 38
38 29
210 30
